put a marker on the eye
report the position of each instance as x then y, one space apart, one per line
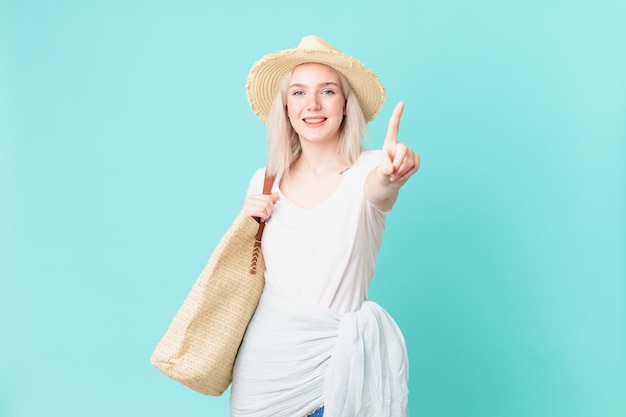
328 91
297 93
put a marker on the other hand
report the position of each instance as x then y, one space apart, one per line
260 205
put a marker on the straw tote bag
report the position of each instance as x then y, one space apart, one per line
201 343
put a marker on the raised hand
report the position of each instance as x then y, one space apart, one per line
399 162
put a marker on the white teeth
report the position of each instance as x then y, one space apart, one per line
314 120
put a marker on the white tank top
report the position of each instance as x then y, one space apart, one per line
324 256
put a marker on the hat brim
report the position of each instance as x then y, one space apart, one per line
267 73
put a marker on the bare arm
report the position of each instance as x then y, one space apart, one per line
398 164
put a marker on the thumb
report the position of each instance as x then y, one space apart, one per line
274 197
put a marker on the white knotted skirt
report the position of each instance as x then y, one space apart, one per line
295 358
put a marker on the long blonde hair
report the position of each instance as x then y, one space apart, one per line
283 142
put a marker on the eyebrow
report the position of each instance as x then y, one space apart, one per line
299 85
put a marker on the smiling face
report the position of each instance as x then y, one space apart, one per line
315 103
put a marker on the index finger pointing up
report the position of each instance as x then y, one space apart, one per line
394 124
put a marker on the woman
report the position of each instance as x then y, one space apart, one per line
315 345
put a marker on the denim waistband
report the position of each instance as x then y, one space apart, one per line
318 412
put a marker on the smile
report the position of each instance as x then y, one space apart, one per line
315 121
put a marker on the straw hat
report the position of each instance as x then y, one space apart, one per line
266 74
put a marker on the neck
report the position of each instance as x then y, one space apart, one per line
318 160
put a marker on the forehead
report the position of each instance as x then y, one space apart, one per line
315 72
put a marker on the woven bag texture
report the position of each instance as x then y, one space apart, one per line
201 343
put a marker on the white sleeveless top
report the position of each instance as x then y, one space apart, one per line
324 256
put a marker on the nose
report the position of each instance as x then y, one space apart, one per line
313 102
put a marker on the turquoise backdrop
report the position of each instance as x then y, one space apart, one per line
127 143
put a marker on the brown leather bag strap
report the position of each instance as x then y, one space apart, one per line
267 189
268 184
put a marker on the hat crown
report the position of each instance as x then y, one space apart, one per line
315 43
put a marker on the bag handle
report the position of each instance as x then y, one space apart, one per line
267 189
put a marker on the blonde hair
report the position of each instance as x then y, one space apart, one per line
283 141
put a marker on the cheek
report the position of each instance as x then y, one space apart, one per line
341 108
338 105
292 114
291 109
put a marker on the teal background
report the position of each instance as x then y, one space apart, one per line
126 145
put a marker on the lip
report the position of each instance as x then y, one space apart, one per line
314 121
